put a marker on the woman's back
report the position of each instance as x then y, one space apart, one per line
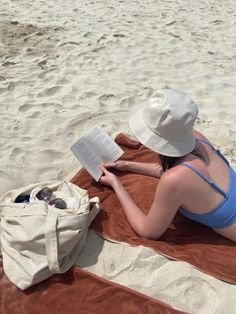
207 185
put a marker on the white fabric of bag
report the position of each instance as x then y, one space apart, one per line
39 240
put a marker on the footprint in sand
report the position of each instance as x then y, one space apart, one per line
49 91
35 115
17 155
25 108
87 95
127 102
88 35
50 154
107 99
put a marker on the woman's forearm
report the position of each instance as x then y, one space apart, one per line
150 169
134 215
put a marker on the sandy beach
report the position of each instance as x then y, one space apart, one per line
68 65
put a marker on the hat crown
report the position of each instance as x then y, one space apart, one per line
165 123
170 114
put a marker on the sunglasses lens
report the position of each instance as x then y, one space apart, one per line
22 199
58 203
45 194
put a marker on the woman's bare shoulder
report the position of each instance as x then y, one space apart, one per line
172 177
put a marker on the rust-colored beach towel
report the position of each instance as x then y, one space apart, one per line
77 291
184 240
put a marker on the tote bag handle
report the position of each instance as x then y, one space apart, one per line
95 210
51 241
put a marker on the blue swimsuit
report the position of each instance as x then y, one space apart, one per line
225 214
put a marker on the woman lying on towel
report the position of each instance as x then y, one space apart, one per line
195 177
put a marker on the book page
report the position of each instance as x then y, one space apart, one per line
94 149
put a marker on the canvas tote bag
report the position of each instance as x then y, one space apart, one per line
39 240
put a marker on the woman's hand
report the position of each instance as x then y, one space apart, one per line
108 178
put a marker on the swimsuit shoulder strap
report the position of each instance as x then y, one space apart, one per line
218 152
205 142
205 178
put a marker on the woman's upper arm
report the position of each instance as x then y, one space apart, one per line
166 203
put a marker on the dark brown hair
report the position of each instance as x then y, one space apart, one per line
168 162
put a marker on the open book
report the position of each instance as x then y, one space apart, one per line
95 148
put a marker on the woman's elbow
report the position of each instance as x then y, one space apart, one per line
147 233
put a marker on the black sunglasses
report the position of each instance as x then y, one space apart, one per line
45 194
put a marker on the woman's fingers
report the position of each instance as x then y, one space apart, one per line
106 177
103 168
110 165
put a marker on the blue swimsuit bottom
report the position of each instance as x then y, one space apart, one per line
225 214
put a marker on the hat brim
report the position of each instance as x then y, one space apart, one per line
166 147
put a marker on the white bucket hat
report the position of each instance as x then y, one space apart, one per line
165 123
